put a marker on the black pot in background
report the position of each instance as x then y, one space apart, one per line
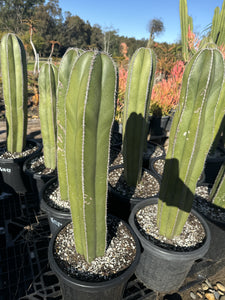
152 149
210 211
116 136
37 181
212 166
12 177
56 218
121 206
81 290
159 126
160 269
152 165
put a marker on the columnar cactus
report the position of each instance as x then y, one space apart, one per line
14 79
185 21
48 79
217 194
193 130
136 110
215 25
65 69
89 114
218 26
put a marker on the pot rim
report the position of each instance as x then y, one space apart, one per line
113 190
81 284
22 159
165 253
48 208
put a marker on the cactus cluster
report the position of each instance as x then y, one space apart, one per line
48 79
89 113
195 125
140 80
14 79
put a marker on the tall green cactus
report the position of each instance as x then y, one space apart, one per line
14 79
89 114
221 36
218 26
184 21
215 25
65 69
217 194
48 79
136 110
192 133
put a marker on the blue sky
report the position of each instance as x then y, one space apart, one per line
130 18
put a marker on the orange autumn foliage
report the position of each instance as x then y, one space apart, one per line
166 93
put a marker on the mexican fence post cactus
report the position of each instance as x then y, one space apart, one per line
89 114
14 79
218 26
64 73
136 110
192 133
215 25
184 21
217 194
48 79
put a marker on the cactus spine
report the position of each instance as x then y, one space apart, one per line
14 79
47 81
65 69
136 110
90 106
192 133
217 194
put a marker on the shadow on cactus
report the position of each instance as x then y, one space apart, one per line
140 80
133 148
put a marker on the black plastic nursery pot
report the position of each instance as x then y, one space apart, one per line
12 176
157 161
37 179
154 150
158 126
122 205
210 211
160 269
56 218
212 166
112 289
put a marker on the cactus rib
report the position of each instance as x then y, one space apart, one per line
64 74
48 79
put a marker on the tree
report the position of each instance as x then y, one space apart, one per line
32 29
155 27
96 37
13 12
